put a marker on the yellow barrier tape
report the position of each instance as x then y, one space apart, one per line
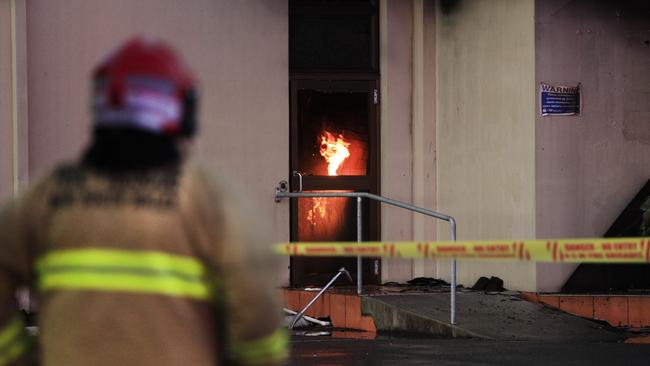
598 250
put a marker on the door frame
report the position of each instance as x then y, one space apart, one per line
368 183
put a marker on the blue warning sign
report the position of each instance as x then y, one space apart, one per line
559 100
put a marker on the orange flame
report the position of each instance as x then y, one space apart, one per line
334 150
318 209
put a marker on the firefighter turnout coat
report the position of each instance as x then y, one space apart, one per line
159 268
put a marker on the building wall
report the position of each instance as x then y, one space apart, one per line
458 95
590 166
395 154
424 128
407 62
486 129
6 130
13 100
237 49
239 53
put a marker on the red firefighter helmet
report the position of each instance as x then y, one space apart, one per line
145 85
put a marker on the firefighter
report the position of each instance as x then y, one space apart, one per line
137 256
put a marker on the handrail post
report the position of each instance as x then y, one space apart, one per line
452 224
359 240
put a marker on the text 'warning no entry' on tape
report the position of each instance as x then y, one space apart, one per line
599 250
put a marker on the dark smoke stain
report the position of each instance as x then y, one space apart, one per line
449 6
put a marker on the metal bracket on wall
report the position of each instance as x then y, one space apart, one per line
283 186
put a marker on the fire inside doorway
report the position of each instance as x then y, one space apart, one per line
334 130
334 135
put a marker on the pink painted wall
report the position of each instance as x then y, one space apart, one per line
396 149
6 131
428 140
238 50
590 166
13 99
408 140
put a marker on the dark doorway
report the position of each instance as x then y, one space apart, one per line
334 129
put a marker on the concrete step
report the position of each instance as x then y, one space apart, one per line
498 316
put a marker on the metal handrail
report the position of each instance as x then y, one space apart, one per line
281 193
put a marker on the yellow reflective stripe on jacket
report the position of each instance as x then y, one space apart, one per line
122 258
272 348
13 341
124 270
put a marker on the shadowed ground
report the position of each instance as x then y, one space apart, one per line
402 351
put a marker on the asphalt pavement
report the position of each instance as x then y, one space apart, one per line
443 352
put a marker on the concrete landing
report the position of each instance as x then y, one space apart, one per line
498 316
